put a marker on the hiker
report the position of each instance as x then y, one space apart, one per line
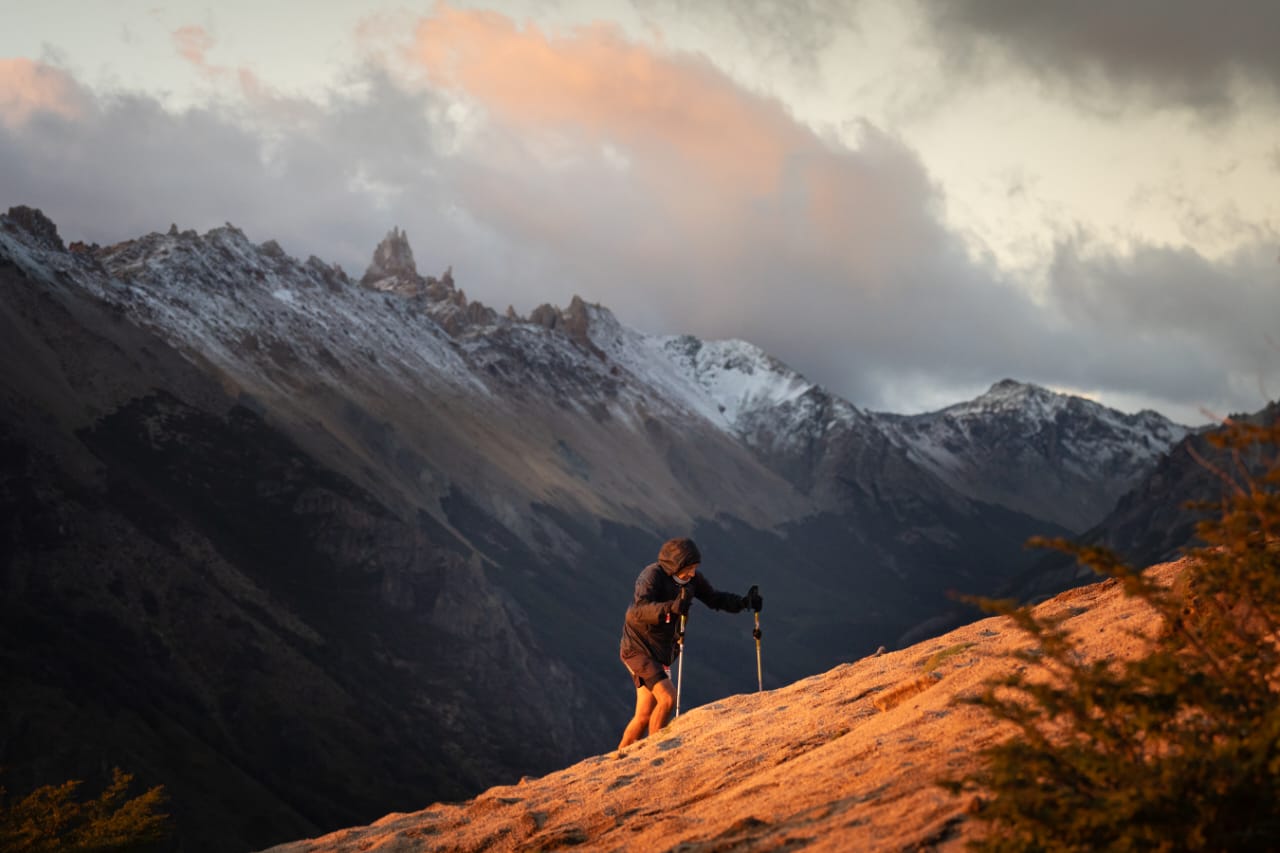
664 592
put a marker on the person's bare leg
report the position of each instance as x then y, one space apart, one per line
640 722
664 697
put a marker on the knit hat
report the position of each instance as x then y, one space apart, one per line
677 554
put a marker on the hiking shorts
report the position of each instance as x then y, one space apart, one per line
645 671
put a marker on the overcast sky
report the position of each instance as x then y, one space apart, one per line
905 201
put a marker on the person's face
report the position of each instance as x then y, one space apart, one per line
686 574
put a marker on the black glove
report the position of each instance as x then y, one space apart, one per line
680 607
752 599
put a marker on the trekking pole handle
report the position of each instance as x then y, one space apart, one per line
759 666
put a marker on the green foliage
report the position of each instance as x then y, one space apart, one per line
51 818
1179 750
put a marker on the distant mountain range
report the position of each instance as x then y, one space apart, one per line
1155 520
1064 459
265 521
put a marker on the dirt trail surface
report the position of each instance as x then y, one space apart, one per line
845 760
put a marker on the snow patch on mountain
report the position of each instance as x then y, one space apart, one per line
1081 454
739 377
221 297
1090 434
727 382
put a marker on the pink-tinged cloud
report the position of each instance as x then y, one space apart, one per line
28 88
714 174
595 83
193 44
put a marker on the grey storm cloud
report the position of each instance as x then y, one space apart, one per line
1184 328
1168 52
795 31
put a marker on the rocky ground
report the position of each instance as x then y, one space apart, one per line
845 760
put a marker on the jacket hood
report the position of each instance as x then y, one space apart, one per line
677 554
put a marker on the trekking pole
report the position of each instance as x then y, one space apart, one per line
759 668
680 664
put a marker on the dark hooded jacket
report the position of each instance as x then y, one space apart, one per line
652 619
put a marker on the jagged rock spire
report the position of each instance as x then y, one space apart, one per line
34 222
574 322
394 270
392 259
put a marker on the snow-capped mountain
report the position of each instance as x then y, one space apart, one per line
1058 457
302 340
1156 519
279 519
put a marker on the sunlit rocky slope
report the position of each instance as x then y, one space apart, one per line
845 760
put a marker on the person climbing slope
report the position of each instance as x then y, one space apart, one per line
664 592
